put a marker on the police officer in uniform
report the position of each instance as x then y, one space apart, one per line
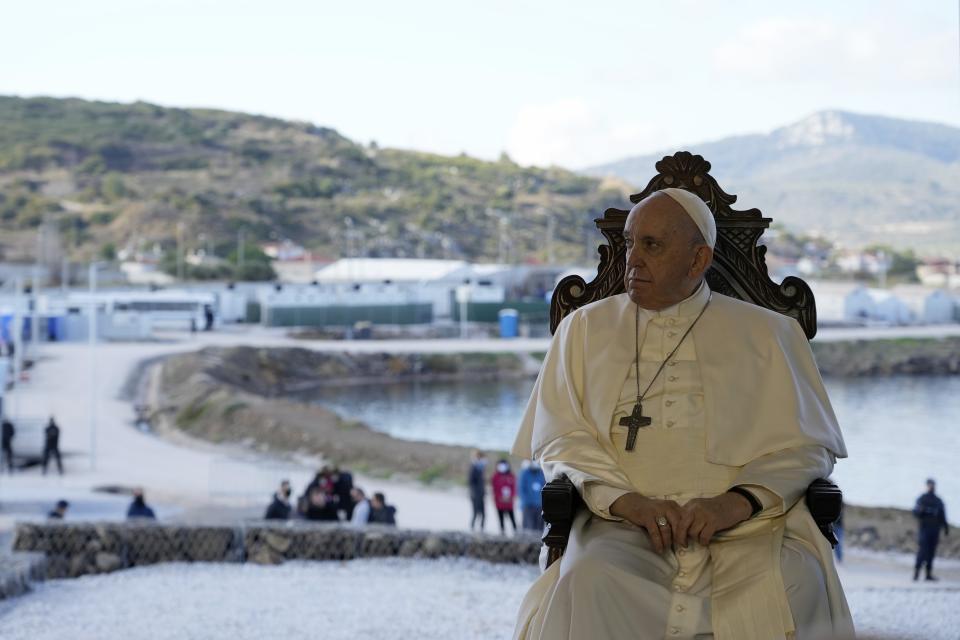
931 517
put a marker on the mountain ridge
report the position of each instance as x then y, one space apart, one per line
860 179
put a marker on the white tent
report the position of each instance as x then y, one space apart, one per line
939 307
876 305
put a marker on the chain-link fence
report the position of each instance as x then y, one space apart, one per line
75 549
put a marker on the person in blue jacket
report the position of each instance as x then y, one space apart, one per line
531 482
138 508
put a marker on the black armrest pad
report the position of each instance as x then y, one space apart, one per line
561 500
825 502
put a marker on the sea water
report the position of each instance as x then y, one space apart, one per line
899 430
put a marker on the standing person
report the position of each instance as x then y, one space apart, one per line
322 481
319 507
279 508
207 317
138 507
7 441
60 511
342 486
531 506
361 508
51 445
381 512
478 490
504 492
931 516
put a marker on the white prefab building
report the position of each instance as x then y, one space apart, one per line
378 281
127 315
410 270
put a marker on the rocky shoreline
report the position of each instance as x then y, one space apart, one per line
904 356
250 396
890 530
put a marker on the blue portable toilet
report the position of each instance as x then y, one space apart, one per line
6 327
509 323
56 328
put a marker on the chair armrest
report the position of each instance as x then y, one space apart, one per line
825 502
560 504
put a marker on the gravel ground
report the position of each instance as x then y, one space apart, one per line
458 599
384 599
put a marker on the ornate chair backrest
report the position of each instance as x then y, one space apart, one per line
738 270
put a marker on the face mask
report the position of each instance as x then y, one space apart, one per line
502 467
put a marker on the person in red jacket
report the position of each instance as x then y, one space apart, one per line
504 491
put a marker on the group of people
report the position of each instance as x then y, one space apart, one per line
51 445
331 497
506 488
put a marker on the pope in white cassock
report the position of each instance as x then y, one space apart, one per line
691 424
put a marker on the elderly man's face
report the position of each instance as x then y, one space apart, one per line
665 257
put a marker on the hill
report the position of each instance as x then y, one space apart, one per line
859 179
102 177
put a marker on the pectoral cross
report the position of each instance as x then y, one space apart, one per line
633 422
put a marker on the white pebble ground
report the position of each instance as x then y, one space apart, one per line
377 598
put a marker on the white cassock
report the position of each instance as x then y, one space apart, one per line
740 403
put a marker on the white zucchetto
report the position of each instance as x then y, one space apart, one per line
698 211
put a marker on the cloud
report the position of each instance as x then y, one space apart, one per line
574 133
826 52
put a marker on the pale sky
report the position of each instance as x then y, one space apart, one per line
568 83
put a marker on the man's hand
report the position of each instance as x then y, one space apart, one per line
643 512
703 517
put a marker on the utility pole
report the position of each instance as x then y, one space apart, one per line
92 341
34 318
179 252
241 242
35 295
17 338
551 229
502 239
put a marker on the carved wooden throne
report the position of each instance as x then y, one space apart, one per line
738 270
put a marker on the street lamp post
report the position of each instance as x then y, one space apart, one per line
92 341
463 298
17 339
